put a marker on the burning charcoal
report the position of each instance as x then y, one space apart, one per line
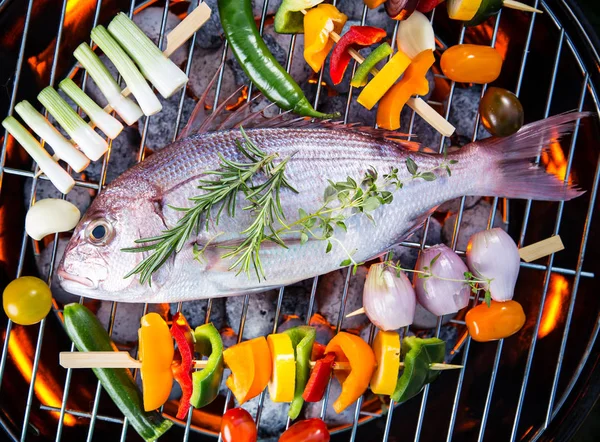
272 7
300 70
465 103
425 319
123 155
291 322
161 127
43 265
210 35
313 409
79 196
149 20
329 296
473 220
273 416
204 66
127 320
454 205
195 312
408 255
325 331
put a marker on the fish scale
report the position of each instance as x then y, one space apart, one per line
139 204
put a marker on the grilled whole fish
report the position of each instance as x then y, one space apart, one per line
139 205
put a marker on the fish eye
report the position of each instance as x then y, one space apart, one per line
99 231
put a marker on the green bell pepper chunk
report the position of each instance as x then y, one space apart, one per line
303 338
206 382
418 355
487 8
289 19
361 75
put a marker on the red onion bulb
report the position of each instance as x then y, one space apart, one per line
436 293
388 298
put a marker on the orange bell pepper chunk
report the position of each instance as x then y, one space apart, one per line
498 321
318 24
250 365
156 352
413 83
372 4
352 349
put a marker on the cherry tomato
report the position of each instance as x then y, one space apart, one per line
468 63
501 112
499 320
27 300
309 430
238 426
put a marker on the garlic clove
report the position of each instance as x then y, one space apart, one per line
50 216
493 255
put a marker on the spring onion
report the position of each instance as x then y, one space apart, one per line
132 76
90 142
62 147
156 67
59 176
102 119
129 111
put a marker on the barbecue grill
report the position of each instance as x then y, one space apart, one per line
537 385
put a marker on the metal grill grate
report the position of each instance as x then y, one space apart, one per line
554 402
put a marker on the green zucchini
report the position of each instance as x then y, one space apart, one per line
87 334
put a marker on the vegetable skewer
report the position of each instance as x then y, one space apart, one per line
122 359
417 104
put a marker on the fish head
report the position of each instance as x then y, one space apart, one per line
94 263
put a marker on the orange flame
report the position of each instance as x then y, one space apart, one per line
555 161
559 290
47 390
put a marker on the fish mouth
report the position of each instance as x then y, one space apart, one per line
81 280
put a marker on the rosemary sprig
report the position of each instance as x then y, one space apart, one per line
232 177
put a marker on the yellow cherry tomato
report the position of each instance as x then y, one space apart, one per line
499 320
27 300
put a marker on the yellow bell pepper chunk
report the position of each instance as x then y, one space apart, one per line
318 24
386 347
283 373
384 80
156 353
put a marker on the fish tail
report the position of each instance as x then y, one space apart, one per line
514 175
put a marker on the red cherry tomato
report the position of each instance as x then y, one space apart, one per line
309 430
238 426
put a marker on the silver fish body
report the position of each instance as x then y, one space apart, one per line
139 205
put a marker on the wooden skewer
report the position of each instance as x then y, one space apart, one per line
529 253
426 112
520 6
122 359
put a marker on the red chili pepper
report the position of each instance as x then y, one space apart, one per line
356 36
182 369
319 378
318 351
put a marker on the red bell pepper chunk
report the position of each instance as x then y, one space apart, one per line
357 36
182 366
318 351
428 5
319 378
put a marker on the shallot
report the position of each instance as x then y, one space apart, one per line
444 291
388 297
415 35
493 256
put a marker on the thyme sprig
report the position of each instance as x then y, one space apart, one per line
476 284
232 178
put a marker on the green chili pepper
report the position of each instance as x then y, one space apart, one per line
418 354
206 382
258 63
289 19
87 334
361 75
487 8
303 338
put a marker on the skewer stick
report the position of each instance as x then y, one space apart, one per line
425 111
520 6
175 39
529 253
122 359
